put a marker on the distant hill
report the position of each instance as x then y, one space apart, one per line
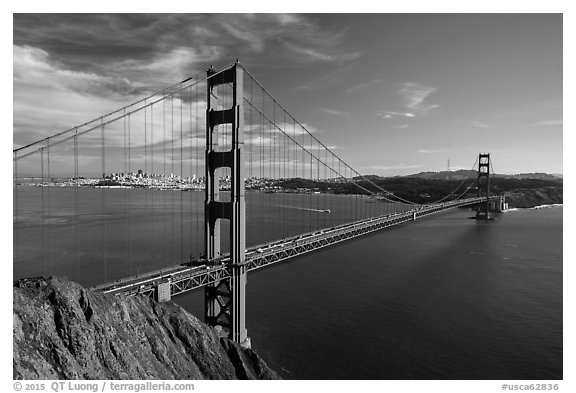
523 190
536 175
464 174
445 175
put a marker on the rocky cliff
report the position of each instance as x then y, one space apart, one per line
64 331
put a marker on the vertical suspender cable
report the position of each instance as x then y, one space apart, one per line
261 163
272 165
325 187
191 193
126 176
76 200
251 124
312 187
164 177
347 196
128 199
319 184
154 183
273 142
262 140
335 185
172 176
318 188
16 263
104 202
284 177
294 162
356 204
268 167
180 181
129 124
248 141
146 185
43 214
198 217
341 185
273 157
48 202
304 172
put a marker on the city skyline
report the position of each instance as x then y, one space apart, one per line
432 88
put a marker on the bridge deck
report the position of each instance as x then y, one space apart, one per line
189 276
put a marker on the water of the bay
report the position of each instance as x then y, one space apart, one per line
443 298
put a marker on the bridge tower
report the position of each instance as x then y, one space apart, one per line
225 301
483 184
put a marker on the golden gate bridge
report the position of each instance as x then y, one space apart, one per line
105 201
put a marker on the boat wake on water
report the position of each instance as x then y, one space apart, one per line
305 208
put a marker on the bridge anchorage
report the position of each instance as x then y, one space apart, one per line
247 141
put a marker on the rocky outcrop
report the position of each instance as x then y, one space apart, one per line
64 331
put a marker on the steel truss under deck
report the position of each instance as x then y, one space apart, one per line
187 277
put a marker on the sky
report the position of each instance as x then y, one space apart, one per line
393 94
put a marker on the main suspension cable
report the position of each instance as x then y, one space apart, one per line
323 145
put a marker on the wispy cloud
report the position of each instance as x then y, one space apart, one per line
414 95
547 123
67 68
414 101
317 55
365 85
392 115
288 19
304 129
479 124
159 48
250 37
292 129
180 62
258 141
50 98
318 147
335 112
34 68
328 80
